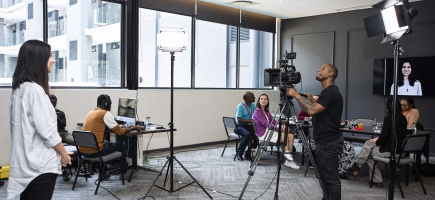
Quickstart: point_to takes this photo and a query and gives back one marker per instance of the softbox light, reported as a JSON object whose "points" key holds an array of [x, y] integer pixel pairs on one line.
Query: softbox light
{"points": [[172, 40], [395, 20]]}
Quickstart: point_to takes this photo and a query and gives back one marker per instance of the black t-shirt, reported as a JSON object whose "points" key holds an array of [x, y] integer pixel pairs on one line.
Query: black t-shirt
{"points": [[327, 123]]}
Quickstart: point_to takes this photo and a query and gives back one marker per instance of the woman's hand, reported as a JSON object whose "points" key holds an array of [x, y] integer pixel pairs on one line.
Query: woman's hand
{"points": [[65, 160], [373, 140]]}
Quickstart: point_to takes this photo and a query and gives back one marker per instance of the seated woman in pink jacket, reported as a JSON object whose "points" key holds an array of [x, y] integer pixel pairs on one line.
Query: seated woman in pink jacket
{"points": [[302, 114], [263, 119]]}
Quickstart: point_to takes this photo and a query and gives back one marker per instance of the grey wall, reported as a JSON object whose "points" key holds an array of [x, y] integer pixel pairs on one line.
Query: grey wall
{"points": [[340, 39]]}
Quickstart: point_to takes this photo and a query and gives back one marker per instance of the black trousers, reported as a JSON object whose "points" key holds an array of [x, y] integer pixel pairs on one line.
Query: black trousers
{"points": [[41, 188], [327, 164], [109, 148]]}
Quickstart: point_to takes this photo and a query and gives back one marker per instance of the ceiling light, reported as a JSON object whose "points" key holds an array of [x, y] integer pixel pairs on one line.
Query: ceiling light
{"points": [[242, 3]]}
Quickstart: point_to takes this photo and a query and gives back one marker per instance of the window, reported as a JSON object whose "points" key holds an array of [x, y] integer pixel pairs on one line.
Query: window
{"points": [[82, 43], [154, 65], [215, 59], [17, 25], [255, 56]]}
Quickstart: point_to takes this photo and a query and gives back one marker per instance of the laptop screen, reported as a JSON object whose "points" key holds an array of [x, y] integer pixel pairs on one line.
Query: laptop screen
{"points": [[127, 110]]}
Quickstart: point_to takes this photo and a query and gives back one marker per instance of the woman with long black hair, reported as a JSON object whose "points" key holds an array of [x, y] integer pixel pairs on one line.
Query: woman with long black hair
{"points": [[36, 148], [381, 146], [407, 84]]}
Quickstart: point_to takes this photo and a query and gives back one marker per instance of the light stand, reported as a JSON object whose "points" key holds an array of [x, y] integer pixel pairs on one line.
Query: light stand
{"points": [[396, 19], [172, 40]]}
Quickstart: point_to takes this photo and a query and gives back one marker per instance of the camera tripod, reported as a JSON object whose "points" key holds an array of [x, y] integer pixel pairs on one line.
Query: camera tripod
{"points": [[286, 106]]}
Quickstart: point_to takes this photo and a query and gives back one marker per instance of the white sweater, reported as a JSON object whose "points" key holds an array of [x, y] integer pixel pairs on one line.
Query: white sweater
{"points": [[34, 133]]}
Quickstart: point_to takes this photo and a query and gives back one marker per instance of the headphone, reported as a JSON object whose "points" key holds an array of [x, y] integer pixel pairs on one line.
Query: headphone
{"points": [[106, 104]]}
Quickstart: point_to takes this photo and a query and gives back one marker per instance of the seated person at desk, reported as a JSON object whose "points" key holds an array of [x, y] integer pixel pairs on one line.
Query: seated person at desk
{"points": [[96, 122], [381, 146], [263, 119], [61, 123], [302, 114], [244, 112], [409, 111]]}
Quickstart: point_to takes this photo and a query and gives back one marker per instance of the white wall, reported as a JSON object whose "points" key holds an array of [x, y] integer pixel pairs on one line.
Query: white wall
{"points": [[197, 113]]}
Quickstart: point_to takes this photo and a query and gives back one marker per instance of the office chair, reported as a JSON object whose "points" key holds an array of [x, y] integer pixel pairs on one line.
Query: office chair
{"points": [[413, 143], [88, 139]]}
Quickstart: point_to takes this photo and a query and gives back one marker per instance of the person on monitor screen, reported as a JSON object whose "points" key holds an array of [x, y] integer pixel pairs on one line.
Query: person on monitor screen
{"points": [[263, 119], [326, 112], [409, 111], [96, 121], [244, 112], [407, 84]]}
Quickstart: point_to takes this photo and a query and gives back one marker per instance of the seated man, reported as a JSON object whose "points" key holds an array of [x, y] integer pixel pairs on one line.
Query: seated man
{"points": [[244, 112], [61, 123], [96, 121]]}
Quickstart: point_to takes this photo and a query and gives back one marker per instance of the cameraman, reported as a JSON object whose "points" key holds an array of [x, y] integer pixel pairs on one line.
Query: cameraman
{"points": [[326, 112]]}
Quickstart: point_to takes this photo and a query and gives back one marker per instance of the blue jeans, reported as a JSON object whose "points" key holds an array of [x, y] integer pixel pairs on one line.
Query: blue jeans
{"points": [[247, 132], [109, 148]]}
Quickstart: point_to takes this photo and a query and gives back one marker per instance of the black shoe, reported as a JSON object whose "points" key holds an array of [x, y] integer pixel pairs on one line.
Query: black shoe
{"points": [[239, 157], [343, 176], [354, 169], [248, 156], [66, 175]]}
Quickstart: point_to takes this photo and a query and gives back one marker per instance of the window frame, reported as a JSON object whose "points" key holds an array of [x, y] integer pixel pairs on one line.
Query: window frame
{"points": [[123, 49]]}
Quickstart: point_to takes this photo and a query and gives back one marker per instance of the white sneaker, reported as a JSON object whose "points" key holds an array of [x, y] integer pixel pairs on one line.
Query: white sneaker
{"points": [[288, 155], [291, 164]]}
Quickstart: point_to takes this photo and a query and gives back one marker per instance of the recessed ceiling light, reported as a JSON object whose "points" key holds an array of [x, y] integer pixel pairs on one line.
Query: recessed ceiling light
{"points": [[282, 1], [242, 3]]}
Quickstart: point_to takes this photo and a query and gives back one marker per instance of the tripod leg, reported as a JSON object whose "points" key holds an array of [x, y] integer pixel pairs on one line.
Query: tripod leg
{"points": [[193, 178], [157, 177], [167, 172]]}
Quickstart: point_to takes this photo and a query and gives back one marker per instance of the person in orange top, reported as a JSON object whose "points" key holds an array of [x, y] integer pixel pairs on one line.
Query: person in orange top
{"points": [[409, 111], [97, 121]]}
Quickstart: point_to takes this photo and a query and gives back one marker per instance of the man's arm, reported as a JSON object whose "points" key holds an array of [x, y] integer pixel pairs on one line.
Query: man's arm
{"points": [[61, 119], [311, 109], [241, 120]]}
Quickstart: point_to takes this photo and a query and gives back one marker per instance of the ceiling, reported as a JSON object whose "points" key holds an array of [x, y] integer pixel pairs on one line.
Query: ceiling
{"points": [[301, 8]]}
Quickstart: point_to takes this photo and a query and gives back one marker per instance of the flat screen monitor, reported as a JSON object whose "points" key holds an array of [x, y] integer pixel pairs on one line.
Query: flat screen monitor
{"points": [[415, 76], [127, 108]]}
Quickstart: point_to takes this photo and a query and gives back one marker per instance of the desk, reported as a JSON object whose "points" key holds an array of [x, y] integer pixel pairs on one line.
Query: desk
{"points": [[371, 132]]}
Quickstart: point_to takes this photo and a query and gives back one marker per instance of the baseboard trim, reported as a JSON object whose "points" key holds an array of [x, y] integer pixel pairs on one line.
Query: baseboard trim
{"points": [[193, 145]]}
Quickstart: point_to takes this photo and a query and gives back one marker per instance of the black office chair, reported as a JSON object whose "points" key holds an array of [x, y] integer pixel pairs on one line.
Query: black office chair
{"points": [[413, 143], [230, 122], [88, 139]]}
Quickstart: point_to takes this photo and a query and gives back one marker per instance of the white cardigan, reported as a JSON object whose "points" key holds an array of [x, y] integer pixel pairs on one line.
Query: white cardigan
{"points": [[34, 133]]}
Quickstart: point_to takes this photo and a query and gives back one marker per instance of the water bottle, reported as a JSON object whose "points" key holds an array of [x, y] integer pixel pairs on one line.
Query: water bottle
{"points": [[148, 121], [374, 122], [414, 129]]}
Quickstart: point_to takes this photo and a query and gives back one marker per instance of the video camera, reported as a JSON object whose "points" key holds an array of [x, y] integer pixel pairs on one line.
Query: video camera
{"points": [[284, 76]]}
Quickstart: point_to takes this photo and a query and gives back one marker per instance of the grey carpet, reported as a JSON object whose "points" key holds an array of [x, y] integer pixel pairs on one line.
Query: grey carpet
{"points": [[224, 179]]}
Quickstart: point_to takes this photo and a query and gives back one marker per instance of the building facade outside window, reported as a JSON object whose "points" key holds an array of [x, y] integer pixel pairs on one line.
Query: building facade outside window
{"points": [[154, 65], [85, 40], [215, 55], [256, 54], [20, 20]]}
